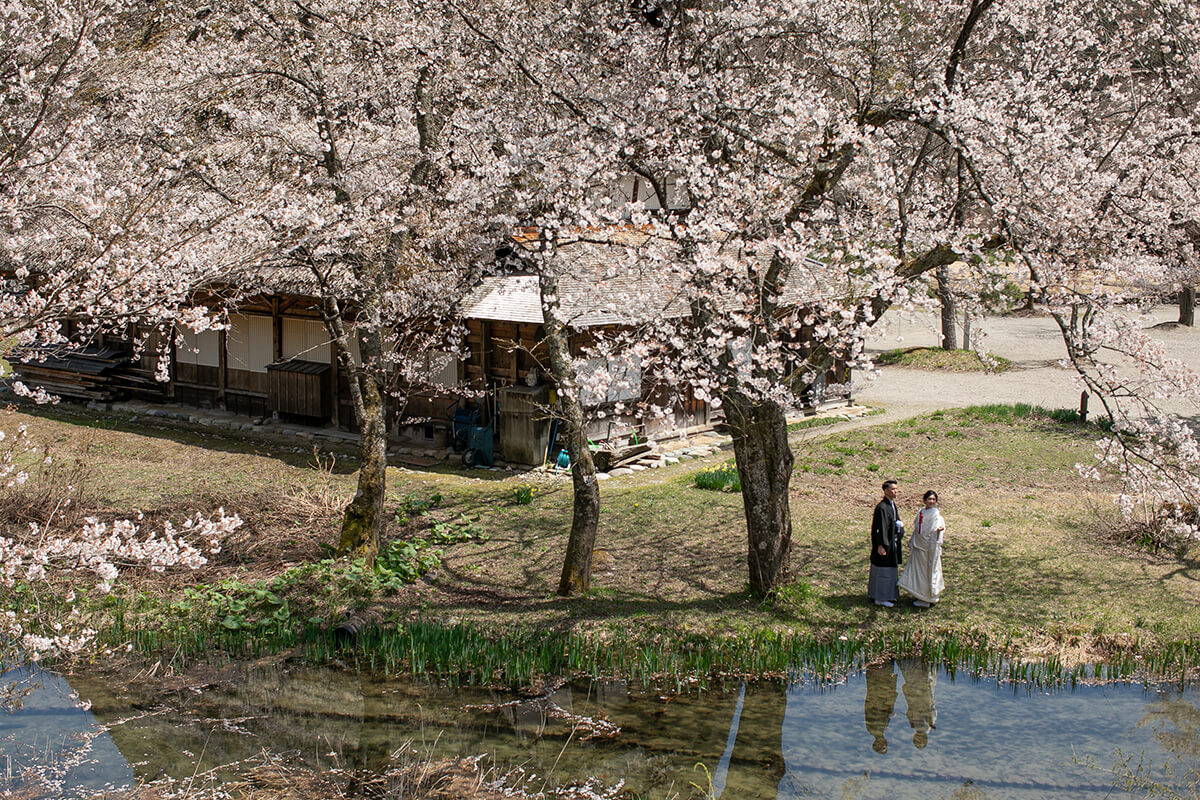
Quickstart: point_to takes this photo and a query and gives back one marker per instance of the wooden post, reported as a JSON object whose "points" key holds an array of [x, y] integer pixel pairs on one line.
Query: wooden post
{"points": [[1083, 409], [172, 366], [485, 341], [222, 368], [485, 334], [334, 416], [276, 330]]}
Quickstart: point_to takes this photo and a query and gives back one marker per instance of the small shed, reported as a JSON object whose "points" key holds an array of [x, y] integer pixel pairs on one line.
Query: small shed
{"points": [[300, 388], [524, 421]]}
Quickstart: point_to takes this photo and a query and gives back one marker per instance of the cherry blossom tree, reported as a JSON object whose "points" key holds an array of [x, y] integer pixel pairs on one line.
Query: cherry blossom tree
{"points": [[833, 157], [834, 154], [345, 130], [561, 114], [103, 222]]}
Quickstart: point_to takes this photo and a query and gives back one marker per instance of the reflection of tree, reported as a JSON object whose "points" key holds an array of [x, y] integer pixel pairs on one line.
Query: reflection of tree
{"points": [[756, 764], [1176, 725], [919, 679], [881, 700]]}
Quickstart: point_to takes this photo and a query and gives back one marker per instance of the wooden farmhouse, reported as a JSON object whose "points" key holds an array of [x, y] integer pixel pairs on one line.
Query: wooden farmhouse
{"points": [[274, 359]]}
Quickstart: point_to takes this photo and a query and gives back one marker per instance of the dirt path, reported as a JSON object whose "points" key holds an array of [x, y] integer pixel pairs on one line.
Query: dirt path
{"points": [[1033, 344]]}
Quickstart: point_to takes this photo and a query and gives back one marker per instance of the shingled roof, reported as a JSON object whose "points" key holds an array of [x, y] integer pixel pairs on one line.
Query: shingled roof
{"points": [[617, 281]]}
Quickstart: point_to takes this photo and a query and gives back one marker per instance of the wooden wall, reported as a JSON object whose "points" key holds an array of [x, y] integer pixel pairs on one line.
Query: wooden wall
{"points": [[501, 353]]}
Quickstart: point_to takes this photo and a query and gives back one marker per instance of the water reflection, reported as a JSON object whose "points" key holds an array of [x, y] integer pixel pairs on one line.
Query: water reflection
{"points": [[761, 741], [919, 679], [880, 702], [49, 738]]}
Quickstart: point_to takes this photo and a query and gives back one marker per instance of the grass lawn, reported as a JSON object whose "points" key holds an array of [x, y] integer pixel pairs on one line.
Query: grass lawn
{"points": [[935, 358], [1031, 562]]}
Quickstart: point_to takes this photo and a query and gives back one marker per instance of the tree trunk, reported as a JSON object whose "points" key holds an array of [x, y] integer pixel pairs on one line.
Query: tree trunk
{"points": [[364, 522], [585, 511], [764, 464], [1187, 306], [755, 744], [585, 514], [949, 338], [966, 339]]}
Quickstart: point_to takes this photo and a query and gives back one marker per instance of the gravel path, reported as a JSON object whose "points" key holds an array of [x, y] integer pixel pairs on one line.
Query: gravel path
{"points": [[1032, 343]]}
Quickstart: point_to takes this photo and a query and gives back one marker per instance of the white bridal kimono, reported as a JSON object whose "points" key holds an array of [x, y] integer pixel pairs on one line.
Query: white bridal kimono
{"points": [[922, 576]]}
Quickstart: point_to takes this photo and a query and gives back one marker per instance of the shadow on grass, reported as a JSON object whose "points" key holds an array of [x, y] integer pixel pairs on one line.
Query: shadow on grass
{"points": [[847, 600], [287, 449], [281, 448], [1189, 569]]}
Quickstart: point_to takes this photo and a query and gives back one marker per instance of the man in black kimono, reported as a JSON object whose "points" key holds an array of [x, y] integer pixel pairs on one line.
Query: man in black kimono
{"points": [[887, 533]]}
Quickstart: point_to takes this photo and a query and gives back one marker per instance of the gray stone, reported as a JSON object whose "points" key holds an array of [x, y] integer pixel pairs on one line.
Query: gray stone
{"points": [[193, 419], [671, 459], [621, 471], [636, 467], [603, 476]]}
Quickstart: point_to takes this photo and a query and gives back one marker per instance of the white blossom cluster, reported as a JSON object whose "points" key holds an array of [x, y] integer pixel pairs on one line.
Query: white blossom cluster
{"points": [[101, 549], [14, 450]]}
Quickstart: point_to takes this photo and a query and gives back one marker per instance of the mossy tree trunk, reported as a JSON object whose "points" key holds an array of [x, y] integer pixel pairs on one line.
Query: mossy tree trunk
{"points": [[363, 521], [585, 510]]}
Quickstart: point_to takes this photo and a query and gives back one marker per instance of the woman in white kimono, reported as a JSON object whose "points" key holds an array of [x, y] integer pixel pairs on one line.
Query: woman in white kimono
{"points": [[922, 577]]}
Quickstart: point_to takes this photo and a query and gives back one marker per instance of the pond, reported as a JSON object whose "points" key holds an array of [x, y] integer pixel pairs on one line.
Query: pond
{"points": [[900, 730]]}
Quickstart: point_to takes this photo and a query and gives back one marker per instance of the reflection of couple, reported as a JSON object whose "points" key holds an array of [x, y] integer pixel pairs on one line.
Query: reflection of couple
{"points": [[919, 679]]}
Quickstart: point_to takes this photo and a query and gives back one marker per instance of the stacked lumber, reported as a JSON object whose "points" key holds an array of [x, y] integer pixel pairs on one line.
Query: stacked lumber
{"points": [[84, 373], [606, 459], [138, 383]]}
